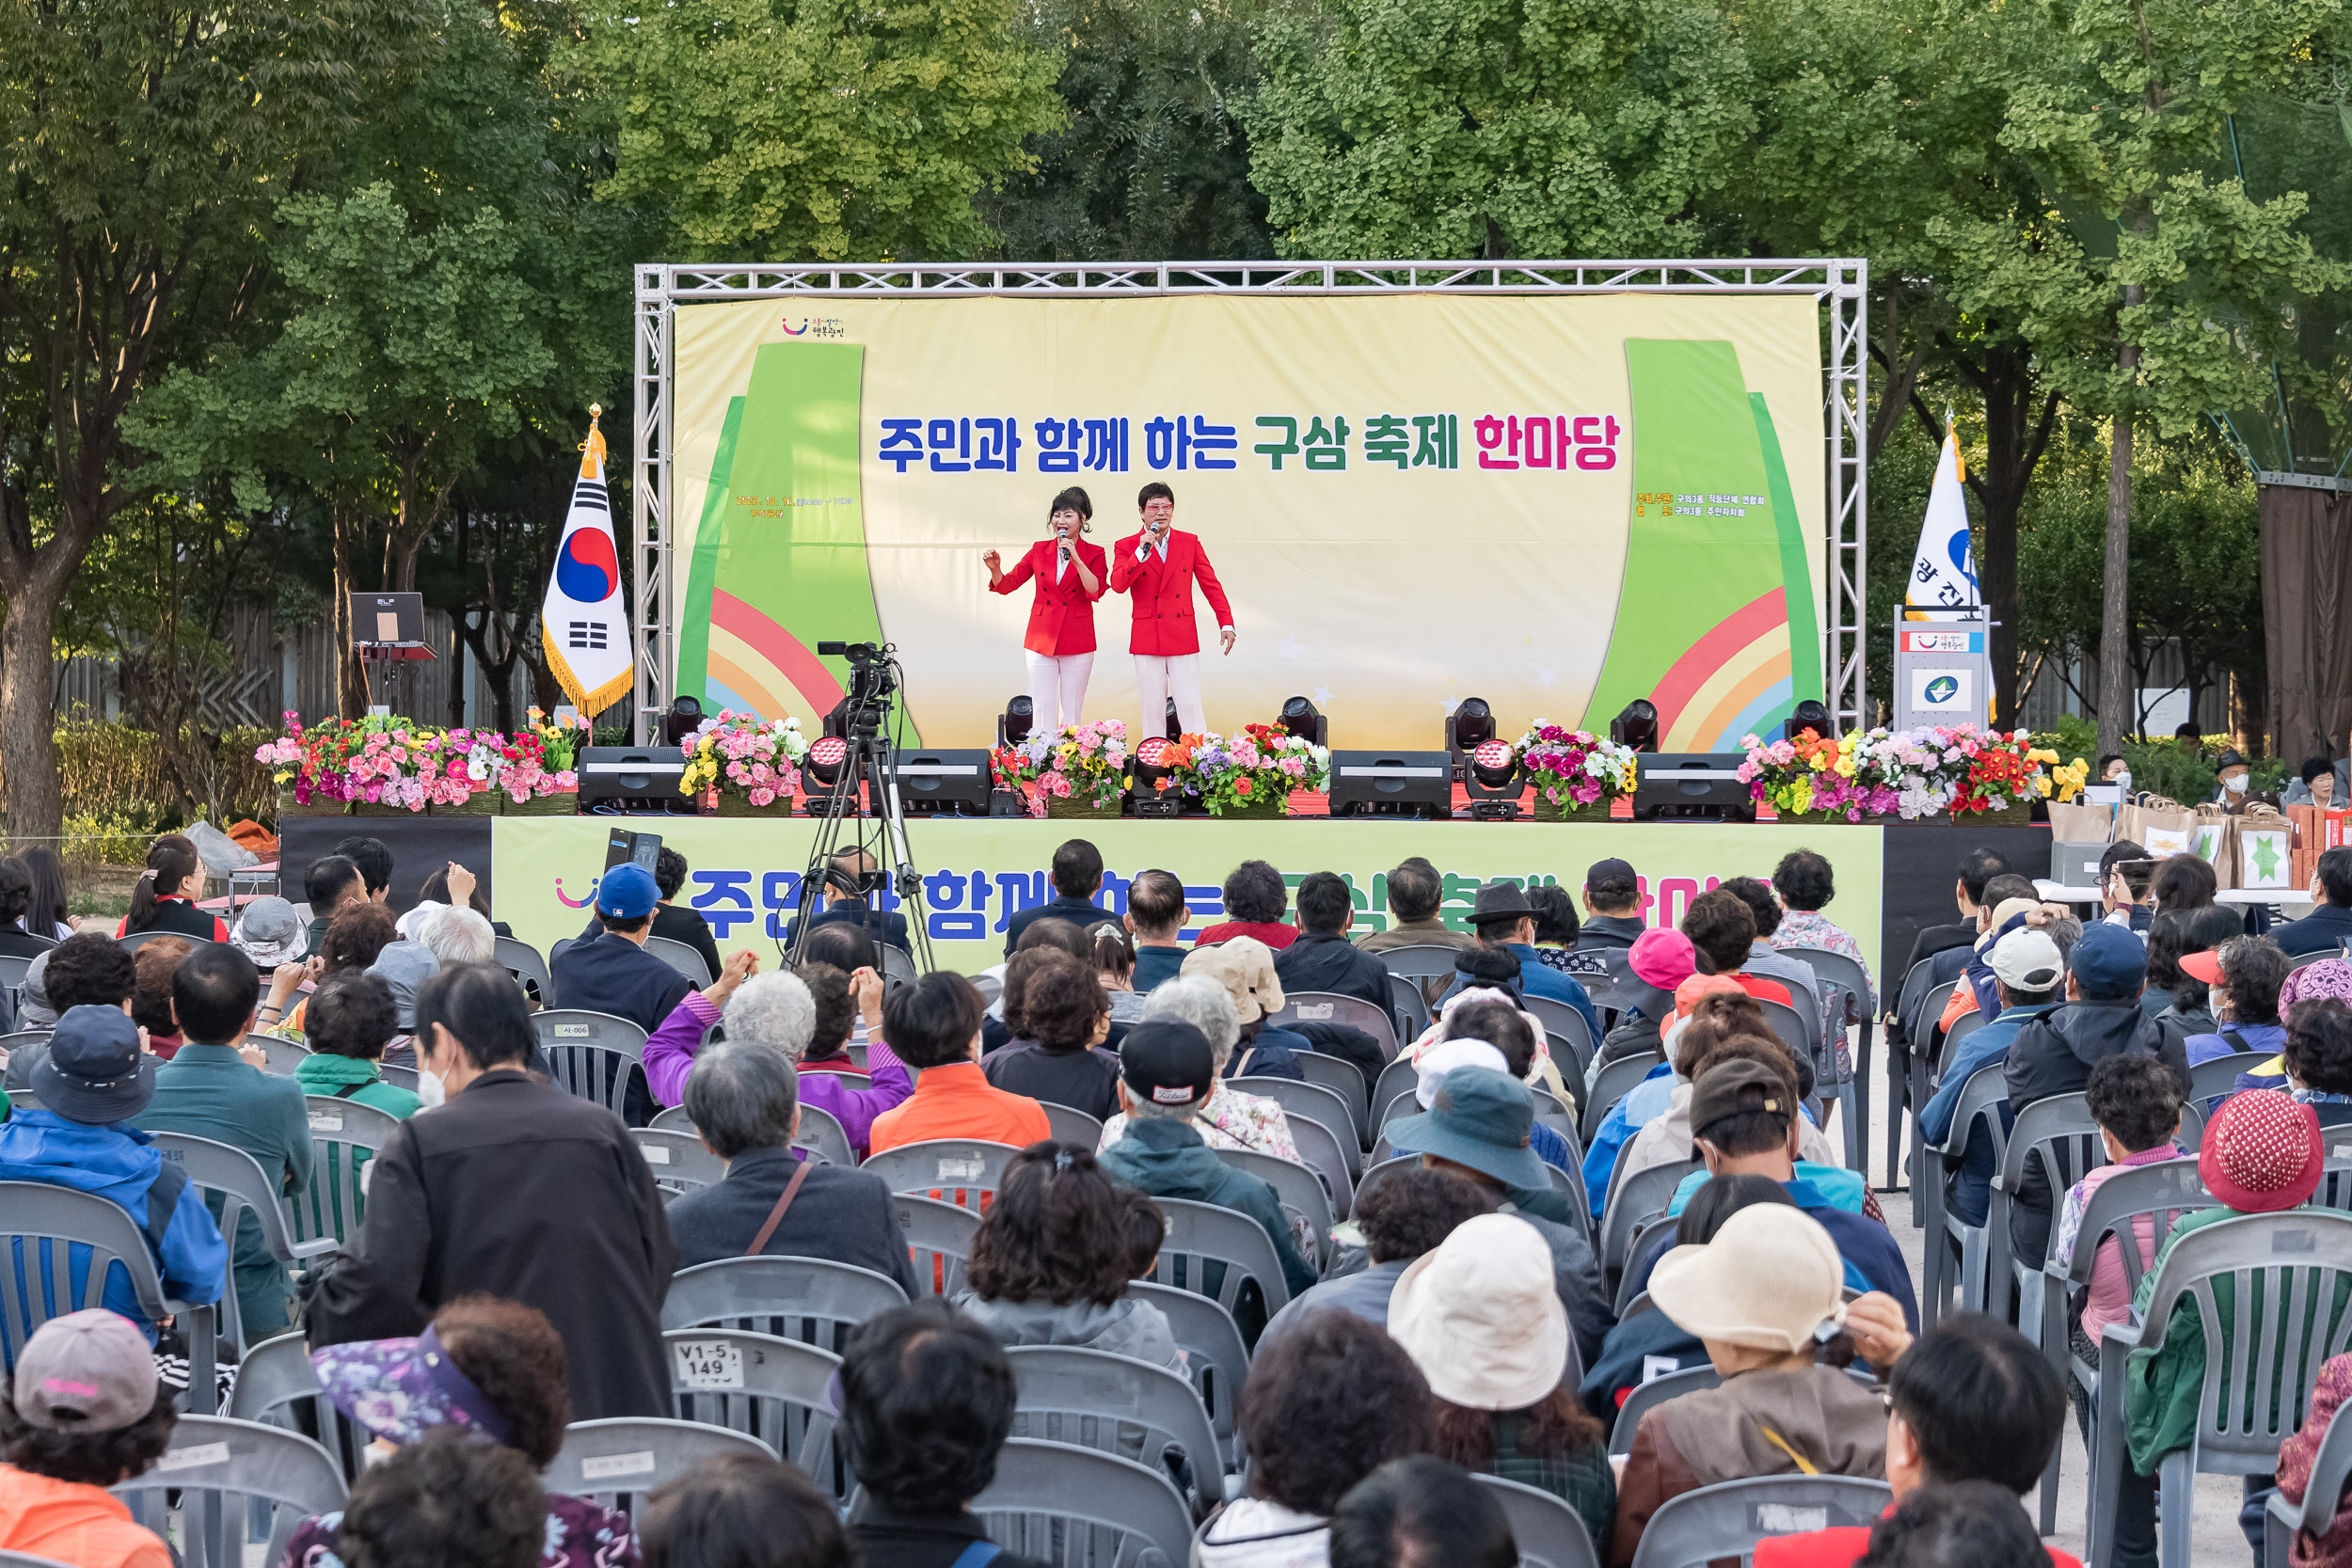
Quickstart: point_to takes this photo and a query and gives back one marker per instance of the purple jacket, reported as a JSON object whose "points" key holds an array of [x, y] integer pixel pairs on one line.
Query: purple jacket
{"points": [[669, 1057]]}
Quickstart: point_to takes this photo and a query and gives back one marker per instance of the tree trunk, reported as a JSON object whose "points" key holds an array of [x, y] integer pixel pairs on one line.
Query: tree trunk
{"points": [[28, 721], [2116, 698], [351, 675]]}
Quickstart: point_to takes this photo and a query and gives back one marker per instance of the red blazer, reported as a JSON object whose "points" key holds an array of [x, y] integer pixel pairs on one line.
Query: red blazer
{"points": [[1163, 593], [1061, 617]]}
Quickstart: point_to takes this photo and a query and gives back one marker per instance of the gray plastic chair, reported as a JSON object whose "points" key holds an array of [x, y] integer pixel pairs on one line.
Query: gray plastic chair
{"points": [[2330, 1468], [958, 1170], [674, 1120], [776, 1390], [1562, 1022], [1955, 1248], [591, 1054], [344, 1136], [278, 1386], [2059, 1132], [1919, 1058], [822, 1135], [1729, 1518], [279, 1056], [616, 1462], [1313, 1100], [1342, 1079], [1301, 1192], [679, 1160], [1425, 961], [522, 960], [1548, 1532], [813, 1300], [26, 1039], [939, 1240], [26, 1559], [41, 1225], [1837, 969], [2212, 1080], [1214, 1356], [1072, 1124], [1634, 1198], [1204, 1240], [897, 966], [243, 1186], [686, 960], [2245, 1411], [1326, 1154], [1399, 1078], [1615, 1081], [1075, 1506], [1412, 1009], [137, 940], [1326, 1006], [239, 1483], [1963, 1026], [1085, 1397], [1650, 1395]]}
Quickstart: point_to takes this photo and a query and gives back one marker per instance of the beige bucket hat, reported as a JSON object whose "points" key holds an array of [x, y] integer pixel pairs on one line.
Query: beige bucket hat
{"points": [[1479, 1316], [1768, 1280]]}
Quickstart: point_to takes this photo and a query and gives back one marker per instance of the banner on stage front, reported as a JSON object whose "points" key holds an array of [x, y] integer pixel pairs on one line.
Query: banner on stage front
{"points": [[1558, 505]]}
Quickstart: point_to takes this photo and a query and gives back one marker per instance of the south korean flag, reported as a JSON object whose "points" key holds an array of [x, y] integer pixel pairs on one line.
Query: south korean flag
{"points": [[583, 622]]}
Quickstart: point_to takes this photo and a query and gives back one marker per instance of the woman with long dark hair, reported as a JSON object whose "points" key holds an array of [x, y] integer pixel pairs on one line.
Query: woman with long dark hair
{"points": [[1071, 575], [165, 899], [48, 915]]}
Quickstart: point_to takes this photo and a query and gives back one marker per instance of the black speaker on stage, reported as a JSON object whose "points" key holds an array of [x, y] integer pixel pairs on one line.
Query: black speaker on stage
{"points": [[1392, 784], [631, 778], [950, 784], [1692, 785]]}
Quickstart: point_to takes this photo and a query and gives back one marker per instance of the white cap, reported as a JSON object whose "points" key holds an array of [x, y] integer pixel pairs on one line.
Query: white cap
{"points": [[1444, 1057]]}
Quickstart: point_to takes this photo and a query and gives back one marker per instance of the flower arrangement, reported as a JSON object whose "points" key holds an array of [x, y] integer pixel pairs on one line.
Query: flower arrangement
{"points": [[1812, 774], [1252, 773], [395, 764], [744, 757], [1935, 770], [1079, 768], [1572, 769]]}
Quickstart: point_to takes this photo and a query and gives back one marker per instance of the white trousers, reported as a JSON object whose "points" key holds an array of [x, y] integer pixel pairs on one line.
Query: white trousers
{"points": [[1160, 677], [1057, 681]]}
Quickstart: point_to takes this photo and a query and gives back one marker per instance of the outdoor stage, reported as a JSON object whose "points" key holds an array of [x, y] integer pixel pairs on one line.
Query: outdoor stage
{"points": [[540, 871]]}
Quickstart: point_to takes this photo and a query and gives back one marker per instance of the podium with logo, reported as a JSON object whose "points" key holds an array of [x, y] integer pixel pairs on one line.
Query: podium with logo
{"points": [[1943, 667]]}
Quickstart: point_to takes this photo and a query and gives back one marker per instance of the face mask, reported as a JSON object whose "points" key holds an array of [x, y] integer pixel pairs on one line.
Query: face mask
{"points": [[2124, 781], [2235, 783], [429, 1087], [2216, 998]]}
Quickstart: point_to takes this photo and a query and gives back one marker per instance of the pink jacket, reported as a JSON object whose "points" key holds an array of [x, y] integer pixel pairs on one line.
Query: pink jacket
{"points": [[2110, 1290], [669, 1057]]}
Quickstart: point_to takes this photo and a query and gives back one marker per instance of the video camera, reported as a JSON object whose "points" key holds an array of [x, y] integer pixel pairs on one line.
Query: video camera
{"points": [[872, 677]]}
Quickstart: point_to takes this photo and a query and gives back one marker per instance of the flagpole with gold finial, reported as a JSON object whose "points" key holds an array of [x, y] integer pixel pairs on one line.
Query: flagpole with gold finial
{"points": [[591, 450]]}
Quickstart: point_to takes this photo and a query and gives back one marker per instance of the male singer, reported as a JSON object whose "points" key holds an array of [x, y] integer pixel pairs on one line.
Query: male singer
{"points": [[1157, 566]]}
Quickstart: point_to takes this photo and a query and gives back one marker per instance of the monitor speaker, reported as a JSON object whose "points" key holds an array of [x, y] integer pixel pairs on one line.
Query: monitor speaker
{"points": [[1392, 784]]}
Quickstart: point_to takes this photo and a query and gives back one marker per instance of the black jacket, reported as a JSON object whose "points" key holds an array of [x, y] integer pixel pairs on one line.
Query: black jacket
{"points": [[671, 922], [838, 1214], [1937, 939], [1084, 1080], [1325, 961], [519, 1190], [1346, 1041], [613, 974], [2323, 930], [1603, 932], [1078, 912], [2053, 1054], [887, 1540], [884, 925]]}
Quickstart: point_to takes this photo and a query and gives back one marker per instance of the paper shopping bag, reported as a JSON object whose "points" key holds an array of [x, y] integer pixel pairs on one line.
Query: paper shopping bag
{"points": [[2262, 859], [2081, 822], [2209, 840], [2157, 825]]}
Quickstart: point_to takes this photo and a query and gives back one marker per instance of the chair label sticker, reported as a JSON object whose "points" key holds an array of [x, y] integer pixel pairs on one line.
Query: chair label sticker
{"points": [[327, 1121], [1314, 1011], [570, 1031], [1787, 1519], [706, 1364], [961, 1170], [1655, 1367], [655, 1154], [191, 1457], [606, 1466]]}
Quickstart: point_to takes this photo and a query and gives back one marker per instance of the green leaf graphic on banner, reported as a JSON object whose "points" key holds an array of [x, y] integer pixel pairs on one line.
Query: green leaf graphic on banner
{"points": [[694, 647]]}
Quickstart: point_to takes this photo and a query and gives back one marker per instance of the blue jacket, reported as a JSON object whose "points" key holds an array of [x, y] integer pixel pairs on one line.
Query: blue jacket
{"points": [[1615, 1130], [119, 1163], [1972, 1193], [1833, 1196], [613, 974], [1538, 979], [1155, 966], [2323, 930]]}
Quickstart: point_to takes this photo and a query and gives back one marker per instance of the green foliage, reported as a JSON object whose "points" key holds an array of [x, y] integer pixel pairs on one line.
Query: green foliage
{"points": [[793, 129], [123, 778], [1446, 128]]}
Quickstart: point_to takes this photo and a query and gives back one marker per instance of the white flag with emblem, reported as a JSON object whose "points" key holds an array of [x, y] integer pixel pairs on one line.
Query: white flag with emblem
{"points": [[584, 623], [1944, 572]]}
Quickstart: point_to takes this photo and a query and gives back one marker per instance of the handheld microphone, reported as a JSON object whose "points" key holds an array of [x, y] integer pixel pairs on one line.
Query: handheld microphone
{"points": [[1062, 536]]}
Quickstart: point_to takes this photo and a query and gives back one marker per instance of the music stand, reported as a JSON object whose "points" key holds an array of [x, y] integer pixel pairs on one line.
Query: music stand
{"points": [[388, 629]]}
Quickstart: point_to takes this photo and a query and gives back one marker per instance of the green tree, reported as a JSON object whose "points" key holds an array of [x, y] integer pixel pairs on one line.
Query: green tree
{"points": [[1461, 128], [789, 129], [147, 142]]}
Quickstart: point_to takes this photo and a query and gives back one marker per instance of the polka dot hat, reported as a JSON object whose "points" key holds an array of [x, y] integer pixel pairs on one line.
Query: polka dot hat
{"points": [[2262, 1152]]}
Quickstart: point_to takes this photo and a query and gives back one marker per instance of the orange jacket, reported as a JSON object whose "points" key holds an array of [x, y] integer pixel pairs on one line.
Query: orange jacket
{"points": [[957, 1101], [69, 1522]]}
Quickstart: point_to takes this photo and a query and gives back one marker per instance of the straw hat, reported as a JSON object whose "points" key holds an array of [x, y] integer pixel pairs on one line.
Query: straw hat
{"points": [[1479, 1315], [1767, 1282]]}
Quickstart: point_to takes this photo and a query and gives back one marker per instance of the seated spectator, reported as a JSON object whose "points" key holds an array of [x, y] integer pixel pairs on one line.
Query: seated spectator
{"points": [[1794, 974], [405, 967], [17, 939], [1803, 881], [844, 945], [2329, 980], [672, 920], [1722, 927], [1722, 1026], [2177, 1003], [1506, 926], [90, 1083], [164, 899], [776, 1201], [1973, 1524], [461, 936], [373, 858], [1654, 1095], [49, 914], [1977, 868], [1245, 967], [2009, 901], [357, 938], [494, 1371], [778, 1012], [1044, 940], [1491, 1021], [445, 1501], [1066, 1016], [1255, 897], [1418, 1512], [1971, 1402], [1556, 929], [1612, 908], [1415, 890], [2245, 976], [86, 971], [1649, 1345], [84, 1413], [32, 1004], [1077, 877], [1479, 1318], [1166, 1071], [351, 1022], [740, 1511], [1407, 1211], [269, 933], [331, 885], [1490, 974], [614, 973], [1321, 1410], [2313, 784], [153, 967], [927, 1402], [1755, 1296], [933, 1025], [839, 1004], [2330, 1532], [2263, 1154], [1230, 1119], [516, 1189], [2028, 972], [1656, 963], [1049, 1264], [211, 1089], [1323, 959], [1114, 955], [1155, 916], [2315, 1068], [1476, 1130], [852, 878], [2183, 882]]}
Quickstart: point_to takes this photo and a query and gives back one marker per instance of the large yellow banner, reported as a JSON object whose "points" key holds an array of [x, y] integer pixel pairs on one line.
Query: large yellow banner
{"points": [[1555, 503]]}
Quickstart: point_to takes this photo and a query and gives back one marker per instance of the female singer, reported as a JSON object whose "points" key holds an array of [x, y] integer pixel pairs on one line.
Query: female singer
{"points": [[1071, 575]]}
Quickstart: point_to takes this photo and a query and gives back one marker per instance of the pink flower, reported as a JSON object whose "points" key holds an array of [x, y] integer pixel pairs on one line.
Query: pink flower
{"points": [[763, 797]]}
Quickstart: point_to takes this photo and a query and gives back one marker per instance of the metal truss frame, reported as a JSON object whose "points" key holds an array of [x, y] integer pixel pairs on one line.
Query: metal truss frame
{"points": [[1840, 284]]}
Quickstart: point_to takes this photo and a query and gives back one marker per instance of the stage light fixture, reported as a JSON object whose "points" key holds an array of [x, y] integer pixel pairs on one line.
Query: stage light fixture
{"points": [[1492, 781], [1809, 715], [824, 760], [684, 718], [1147, 770], [1470, 725], [1637, 726], [1012, 725], [1300, 718]]}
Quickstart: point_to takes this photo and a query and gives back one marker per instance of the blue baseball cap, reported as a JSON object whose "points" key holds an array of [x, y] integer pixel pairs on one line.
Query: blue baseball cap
{"points": [[626, 891], [2109, 963]]}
